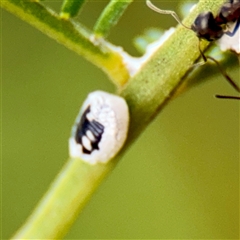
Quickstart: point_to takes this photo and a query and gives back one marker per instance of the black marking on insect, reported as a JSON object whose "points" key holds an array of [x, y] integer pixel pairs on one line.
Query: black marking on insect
{"points": [[95, 128], [211, 28]]}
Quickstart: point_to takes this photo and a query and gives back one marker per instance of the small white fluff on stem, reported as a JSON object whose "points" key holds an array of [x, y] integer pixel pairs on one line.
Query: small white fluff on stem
{"points": [[227, 42]]}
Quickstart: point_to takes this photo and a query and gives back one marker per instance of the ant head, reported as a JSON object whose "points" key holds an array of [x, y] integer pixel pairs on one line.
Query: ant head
{"points": [[206, 28]]}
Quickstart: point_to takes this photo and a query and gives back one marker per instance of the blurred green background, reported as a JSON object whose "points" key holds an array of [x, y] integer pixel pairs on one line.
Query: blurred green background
{"points": [[178, 180]]}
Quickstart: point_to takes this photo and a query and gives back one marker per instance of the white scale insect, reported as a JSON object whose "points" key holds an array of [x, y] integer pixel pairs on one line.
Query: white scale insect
{"points": [[100, 129]]}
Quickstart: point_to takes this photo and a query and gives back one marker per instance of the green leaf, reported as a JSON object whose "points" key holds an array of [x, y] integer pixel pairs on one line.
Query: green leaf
{"points": [[71, 8], [110, 16]]}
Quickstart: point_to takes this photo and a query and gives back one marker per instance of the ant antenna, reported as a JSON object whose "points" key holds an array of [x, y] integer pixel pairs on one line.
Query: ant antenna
{"points": [[158, 10]]}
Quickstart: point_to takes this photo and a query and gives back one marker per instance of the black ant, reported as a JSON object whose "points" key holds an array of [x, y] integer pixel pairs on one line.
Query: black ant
{"points": [[211, 28]]}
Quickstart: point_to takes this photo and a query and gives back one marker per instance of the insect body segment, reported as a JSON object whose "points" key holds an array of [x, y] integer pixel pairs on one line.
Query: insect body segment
{"points": [[89, 133], [100, 129], [206, 27], [229, 12], [211, 28]]}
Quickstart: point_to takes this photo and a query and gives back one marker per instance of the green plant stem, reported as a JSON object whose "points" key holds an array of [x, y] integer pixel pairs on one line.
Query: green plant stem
{"points": [[110, 16], [67, 195], [70, 8], [147, 93], [72, 35]]}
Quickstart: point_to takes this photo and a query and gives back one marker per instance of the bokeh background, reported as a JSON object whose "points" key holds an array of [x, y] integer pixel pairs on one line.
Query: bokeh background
{"points": [[178, 180]]}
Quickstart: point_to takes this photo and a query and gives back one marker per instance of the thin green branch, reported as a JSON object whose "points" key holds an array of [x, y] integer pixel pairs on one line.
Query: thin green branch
{"points": [[149, 91], [146, 94], [65, 198], [71, 8], [110, 16], [74, 36]]}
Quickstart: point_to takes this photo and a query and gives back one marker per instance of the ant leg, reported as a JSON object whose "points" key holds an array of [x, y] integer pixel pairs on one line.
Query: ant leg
{"points": [[227, 97], [202, 55], [227, 77], [201, 52], [234, 85], [231, 33]]}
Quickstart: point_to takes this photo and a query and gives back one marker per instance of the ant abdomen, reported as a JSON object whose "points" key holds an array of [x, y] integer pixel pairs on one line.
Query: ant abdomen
{"points": [[229, 12]]}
